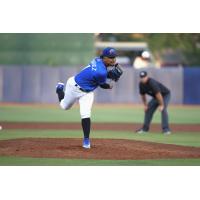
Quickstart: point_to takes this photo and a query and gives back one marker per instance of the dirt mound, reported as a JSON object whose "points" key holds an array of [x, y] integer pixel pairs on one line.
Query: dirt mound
{"points": [[107, 149]]}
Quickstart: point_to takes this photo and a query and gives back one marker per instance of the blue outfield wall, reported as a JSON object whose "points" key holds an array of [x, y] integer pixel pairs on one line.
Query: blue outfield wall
{"points": [[36, 84], [191, 85]]}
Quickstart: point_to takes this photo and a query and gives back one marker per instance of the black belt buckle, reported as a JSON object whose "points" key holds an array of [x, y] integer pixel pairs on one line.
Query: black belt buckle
{"points": [[82, 90]]}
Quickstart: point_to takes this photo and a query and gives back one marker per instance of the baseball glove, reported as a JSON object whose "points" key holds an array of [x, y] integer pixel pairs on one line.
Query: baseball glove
{"points": [[115, 73]]}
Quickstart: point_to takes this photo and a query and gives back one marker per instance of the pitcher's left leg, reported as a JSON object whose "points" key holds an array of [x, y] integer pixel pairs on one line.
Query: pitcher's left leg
{"points": [[86, 102]]}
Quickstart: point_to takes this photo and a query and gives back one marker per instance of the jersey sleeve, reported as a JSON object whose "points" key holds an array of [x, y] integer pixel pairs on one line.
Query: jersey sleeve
{"points": [[155, 86], [101, 78]]}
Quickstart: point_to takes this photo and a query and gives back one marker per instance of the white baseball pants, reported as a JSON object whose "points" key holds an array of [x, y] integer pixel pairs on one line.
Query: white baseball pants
{"points": [[73, 93]]}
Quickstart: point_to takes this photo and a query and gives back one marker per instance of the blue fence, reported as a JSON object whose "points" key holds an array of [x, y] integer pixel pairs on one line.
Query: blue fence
{"points": [[36, 84], [191, 85]]}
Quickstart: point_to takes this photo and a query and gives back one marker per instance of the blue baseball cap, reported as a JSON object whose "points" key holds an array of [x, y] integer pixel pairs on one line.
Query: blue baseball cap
{"points": [[109, 52]]}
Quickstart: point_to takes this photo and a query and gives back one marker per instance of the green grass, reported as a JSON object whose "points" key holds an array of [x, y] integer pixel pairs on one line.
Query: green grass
{"points": [[185, 139], [19, 161], [113, 113]]}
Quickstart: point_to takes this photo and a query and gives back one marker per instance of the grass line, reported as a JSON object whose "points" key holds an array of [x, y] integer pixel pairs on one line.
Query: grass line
{"points": [[185, 139], [25, 161]]}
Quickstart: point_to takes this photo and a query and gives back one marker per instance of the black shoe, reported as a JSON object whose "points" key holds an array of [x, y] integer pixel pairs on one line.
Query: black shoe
{"points": [[59, 87]]}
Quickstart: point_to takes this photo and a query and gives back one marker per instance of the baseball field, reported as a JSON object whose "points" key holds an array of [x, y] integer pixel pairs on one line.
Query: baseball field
{"points": [[37, 134]]}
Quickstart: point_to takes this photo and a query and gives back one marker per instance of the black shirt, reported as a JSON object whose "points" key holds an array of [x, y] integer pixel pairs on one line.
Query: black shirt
{"points": [[152, 87]]}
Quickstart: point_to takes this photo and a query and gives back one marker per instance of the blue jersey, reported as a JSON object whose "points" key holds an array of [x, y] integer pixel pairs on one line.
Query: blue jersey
{"points": [[92, 76]]}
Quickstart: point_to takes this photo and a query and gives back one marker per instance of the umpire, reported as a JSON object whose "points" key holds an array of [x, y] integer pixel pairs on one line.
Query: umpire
{"points": [[161, 96]]}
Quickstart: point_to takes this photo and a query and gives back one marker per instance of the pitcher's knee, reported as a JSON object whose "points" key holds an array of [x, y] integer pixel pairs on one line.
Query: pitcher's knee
{"points": [[85, 115], [64, 106]]}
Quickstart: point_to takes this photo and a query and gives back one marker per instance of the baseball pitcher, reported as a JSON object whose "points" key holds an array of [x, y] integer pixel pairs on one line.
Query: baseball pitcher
{"points": [[81, 86]]}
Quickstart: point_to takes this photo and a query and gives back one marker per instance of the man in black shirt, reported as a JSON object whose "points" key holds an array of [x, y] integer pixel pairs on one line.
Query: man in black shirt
{"points": [[160, 100]]}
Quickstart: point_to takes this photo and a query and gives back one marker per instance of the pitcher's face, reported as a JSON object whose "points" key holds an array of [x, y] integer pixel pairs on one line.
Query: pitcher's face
{"points": [[109, 61]]}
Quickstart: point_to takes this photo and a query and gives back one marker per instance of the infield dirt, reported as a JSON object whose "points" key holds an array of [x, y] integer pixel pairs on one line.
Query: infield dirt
{"points": [[97, 126]]}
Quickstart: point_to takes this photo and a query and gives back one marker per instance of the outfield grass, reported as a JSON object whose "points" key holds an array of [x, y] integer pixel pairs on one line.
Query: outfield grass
{"points": [[19, 161], [113, 113], [185, 139]]}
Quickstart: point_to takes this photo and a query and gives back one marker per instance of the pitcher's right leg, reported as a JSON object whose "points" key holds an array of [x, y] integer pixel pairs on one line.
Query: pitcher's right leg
{"points": [[59, 90]]}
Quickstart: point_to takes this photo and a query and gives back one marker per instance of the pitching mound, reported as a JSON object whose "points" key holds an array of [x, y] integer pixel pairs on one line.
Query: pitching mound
{"points": [[106, 149]]}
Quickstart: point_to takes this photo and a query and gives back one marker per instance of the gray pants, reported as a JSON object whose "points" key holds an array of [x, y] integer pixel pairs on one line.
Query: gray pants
{"points": [[152, 106]]}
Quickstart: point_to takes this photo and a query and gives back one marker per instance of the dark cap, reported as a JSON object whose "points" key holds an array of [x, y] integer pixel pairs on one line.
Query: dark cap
{"points": [[143, 74], [109, 52]]}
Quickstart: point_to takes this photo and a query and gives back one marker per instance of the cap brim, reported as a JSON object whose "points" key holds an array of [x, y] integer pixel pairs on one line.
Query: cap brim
{"points": [[112, 57], [109, 56]]}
